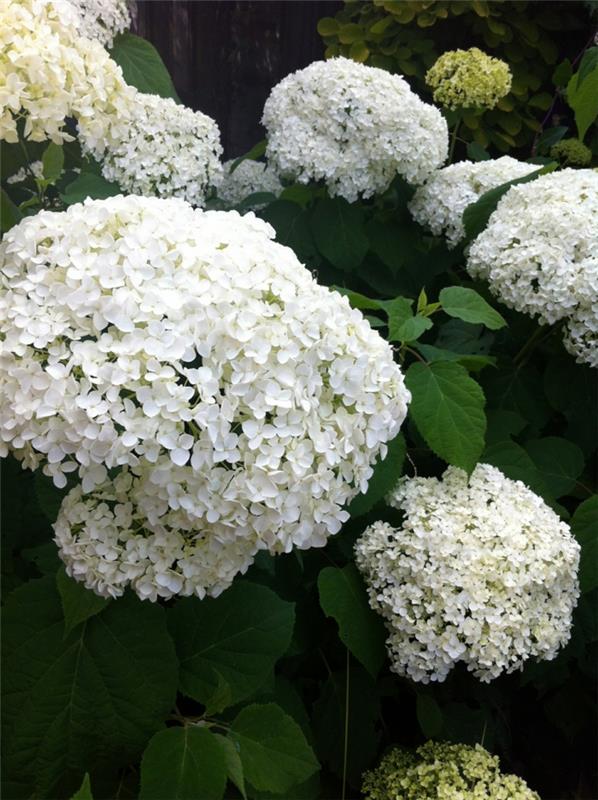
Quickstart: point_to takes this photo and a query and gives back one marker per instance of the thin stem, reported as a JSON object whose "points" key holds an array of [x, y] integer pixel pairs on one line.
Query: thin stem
{"points": [[530, 345], [484, 732], [346, 742], [416, 354], [453, 140]]}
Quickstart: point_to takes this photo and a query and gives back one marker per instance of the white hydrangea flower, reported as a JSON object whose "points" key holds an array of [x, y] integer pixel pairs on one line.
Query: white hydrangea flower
{"points": [[539, 254], [482, 571], [152, 145], [35, 170], [102, 20], [352, 126], [248, 178], [140, 332], [439, 204]]}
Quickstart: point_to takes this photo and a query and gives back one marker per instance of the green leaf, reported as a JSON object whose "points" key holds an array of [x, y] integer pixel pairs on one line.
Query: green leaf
{"points": [[234, 767], [584, 524], [53, 162], [559, 462], [255, 199], [87, 184], [49, 496], [463, 337], [471, 362], [429, 715], [290, 223], [412, 329], [358, 300], [582, 92], [476, 152], [78, 603], [183, 764], [562, 74], [476, 215], [386, 474], [343, 597], [447, 407], [468, 305], [73, 705], [256, 152], [9, 213], [399, 311], [142, 66], [84, 793], [44, 556], [272, 748], [339, 233], [515, 463], [236, 638], [393, 244]]}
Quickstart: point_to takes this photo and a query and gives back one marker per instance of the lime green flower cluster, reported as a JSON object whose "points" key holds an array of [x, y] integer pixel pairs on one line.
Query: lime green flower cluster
{"points": [[571, 152], [468, 79], [441, 771]]}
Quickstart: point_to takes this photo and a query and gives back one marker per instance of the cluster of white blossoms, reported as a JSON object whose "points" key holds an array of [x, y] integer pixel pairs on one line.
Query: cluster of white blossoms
{"points": [[353, 127], [539, 254], [248, 178], [151, 145], [482, 571], [191, 348], [439, 204], [101, 20], [33, 170]]}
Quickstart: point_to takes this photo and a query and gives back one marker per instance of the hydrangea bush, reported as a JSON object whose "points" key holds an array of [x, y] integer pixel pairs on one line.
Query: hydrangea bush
{"points": [[299, 449]]}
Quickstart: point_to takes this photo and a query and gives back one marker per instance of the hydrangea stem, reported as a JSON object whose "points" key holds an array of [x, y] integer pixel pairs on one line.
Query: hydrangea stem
{"points": [[454, 140]]}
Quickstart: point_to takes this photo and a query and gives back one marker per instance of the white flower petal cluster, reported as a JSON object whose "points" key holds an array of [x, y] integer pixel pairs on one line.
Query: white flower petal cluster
{"points": [[152, 145], [539, 254], [248, 178], [191, 348], [102, 20], [352, 126], [439, 204], [34, 170], [482, 571]]}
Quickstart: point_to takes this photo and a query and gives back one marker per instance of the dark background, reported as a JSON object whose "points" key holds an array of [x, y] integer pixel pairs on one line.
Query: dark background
{"points": [[226, 55]]}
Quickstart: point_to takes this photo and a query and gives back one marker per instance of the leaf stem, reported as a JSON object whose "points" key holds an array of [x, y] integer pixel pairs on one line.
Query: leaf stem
{"points": [[346, 742], [453, 140]]}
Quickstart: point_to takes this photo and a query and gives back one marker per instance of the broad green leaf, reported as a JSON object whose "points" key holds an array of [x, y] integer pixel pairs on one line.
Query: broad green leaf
{"points": [[515, 463], [53, 162], [476, 152], [550, 137], [78, 603], [73, 705], [582, 92], [221, 698], [236, 638], [84, 793], [559, 462], [447, 407], [468, 305], [142, 66], [339, 234], [343, 597], [327, 26], [49, 496], [255, 199], [272, 748], [429, 715], [289, 221], [234, 767], [562, 74], [44, 556], [399, 311], [584, 524], [358, 300], [412, 328], [502, 424], [463, 337], [256, 152], [183, 764], [393, 243], [471, 362], [87, 184], [9, 213], [386, 474]]}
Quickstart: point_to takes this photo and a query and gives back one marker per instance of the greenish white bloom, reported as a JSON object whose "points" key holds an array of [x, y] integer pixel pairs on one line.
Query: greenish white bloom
{"points": [[571, 152], [442, 771], [468, 79], [482, 571], [249, 177], [102, 20]]}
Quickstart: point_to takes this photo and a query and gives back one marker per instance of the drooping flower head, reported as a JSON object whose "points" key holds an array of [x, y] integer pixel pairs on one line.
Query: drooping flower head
{"points": [[439, 770], [468, 79], [539, 254], [353, 127], [249, 177], [102, 20], [482, 571], [439, 204], [193, 349]]}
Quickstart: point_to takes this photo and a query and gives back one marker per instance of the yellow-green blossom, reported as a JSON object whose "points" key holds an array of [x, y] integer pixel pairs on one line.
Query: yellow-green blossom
{"points": [[572, 152], [468, 79], [441, 771]]}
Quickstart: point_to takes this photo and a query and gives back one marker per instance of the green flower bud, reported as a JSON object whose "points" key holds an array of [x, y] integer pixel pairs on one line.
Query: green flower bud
{"points": [[571, 151]]}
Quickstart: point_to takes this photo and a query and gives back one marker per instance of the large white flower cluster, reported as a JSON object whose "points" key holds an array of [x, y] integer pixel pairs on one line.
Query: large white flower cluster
{"points": [[152, 145], [439, 204], [482, 571], [193, 349], [102, 20], [539, 254], [352, 126], [248, 178]]}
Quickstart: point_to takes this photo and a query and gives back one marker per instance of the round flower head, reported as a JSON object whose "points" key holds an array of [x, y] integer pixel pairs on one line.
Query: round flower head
{"points": [[468, 79], [482, 571], [442, 771], [353, 127], [571, 151], [151, 145], [248, 178], [102, 19], [539, 254], [439, 204], [140, 332]]}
